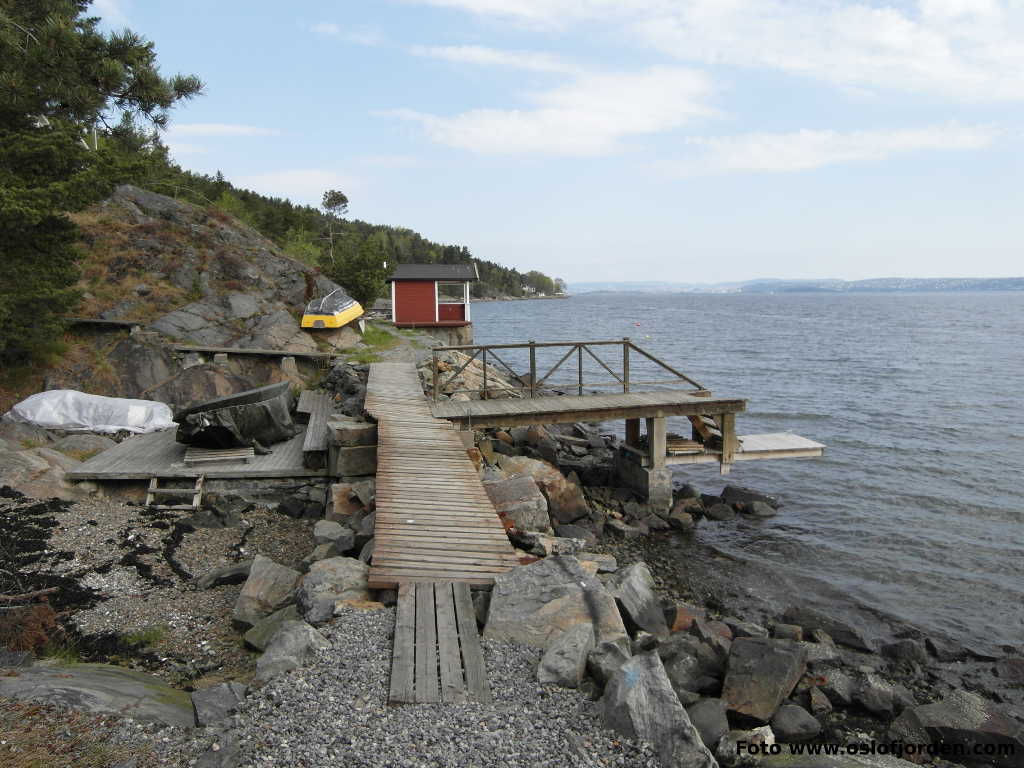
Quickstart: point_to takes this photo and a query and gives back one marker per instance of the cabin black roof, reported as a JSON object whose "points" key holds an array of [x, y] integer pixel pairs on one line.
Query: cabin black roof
{"points": [[455, 272]]}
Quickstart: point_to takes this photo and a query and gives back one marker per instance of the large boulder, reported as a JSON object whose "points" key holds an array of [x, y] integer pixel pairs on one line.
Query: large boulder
{"points": [[329, 582], [217, 702], [533, 603], [964, 721], [605, 659], [760, 674], [269, 587], [566, 502], [291, 646], [39, 473], [262, 631], [841, 631], [633, 589], [639, 703], [102, 689], [519, 500], [565, 661], [709, 718]]}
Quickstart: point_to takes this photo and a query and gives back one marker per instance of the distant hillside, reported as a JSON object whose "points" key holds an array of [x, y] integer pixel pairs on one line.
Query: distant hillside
{"points": [[875, 285]]}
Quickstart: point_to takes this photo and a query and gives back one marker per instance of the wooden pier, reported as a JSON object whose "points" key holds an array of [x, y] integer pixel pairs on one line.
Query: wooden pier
{"points": [[434, 521]]}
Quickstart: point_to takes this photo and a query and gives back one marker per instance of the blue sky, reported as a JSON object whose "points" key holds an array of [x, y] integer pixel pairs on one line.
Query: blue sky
{"points": [[681, 140]]}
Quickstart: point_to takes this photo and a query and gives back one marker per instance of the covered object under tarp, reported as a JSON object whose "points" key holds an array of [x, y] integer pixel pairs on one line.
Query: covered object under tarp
{"points": [[257, 418], [74, 411]]}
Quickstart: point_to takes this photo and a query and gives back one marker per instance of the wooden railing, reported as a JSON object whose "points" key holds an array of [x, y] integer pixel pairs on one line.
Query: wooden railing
{"points": [[530, 384]]}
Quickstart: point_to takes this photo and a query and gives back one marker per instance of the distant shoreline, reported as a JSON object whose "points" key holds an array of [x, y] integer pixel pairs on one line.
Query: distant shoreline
{"points": [[521, 298]]}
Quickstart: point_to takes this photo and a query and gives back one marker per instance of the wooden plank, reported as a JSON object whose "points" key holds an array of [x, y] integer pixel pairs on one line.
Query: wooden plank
{"points": [[472, 655], [453, 684], [404, 657], [426, 646]]}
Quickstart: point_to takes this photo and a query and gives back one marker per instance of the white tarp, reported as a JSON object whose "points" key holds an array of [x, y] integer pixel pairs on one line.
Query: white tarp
{"points": [[78, 412]]}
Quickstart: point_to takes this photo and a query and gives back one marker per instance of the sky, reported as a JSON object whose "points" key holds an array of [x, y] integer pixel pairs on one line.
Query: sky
{"points": [[616, 140]]}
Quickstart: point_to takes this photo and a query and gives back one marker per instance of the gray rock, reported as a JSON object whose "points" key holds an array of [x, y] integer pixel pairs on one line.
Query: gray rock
{"points": [[102, 689], [565, 661], [905, 650], [741, 628], [842, 632], [533, 603], [820, 705], [839, 687], [876, 696], [605, 659], [640, 704], [326, 531], [217, 702], [366, 553], [85, 444], [624, 529], [330, 581], [320, 552], [709, 718], [681, 520], [742, 749], [963, 720], [720, 512], [758, 509], [633, 589], [260, 633], [566, 502], [787, 632], [289, 648], [235, 573], [760, 674], [269, 587], [520, 500], [735, 494], [1011, 669], [576, 532], [605, 563], [794, 723], [12, 659]]}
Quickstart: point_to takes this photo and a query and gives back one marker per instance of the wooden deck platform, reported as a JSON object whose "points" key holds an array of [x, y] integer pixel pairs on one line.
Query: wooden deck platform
{"points": [[437, 656], [434, 521], [775, 445], [512, 412], [158, 454]]}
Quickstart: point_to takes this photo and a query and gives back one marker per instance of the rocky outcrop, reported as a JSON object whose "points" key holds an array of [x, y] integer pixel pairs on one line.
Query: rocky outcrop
{"points": [[566, 502], [639, 703], [37, 472], [102, 689], [633, 589], [534, 603]]}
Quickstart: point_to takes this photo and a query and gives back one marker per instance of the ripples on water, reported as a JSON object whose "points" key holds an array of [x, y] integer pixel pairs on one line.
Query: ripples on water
{"points": [[917, 507]]}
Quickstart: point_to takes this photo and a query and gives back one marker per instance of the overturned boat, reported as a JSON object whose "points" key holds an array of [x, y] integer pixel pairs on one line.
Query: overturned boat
{"points": [[256, 418], [334, 310]]}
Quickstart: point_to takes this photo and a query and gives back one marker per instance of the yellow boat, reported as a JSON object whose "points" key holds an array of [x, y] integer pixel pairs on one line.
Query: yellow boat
{"points": [[332, 311]]}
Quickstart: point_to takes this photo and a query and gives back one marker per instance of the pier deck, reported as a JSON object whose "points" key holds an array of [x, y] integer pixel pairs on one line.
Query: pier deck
{"points": [[434, 520]]}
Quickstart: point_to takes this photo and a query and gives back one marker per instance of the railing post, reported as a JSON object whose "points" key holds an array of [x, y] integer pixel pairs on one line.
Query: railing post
{"points": [[625, 363], [435, 375], [483, 395], [579, 349], [533, 368]]}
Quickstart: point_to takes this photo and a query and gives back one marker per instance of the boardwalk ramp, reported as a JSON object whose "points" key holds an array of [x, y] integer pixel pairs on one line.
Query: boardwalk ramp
{"points": [[434, 521]]}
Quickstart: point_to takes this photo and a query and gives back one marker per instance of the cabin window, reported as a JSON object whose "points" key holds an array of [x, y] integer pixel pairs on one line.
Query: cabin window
{"points": [[451, 293]]}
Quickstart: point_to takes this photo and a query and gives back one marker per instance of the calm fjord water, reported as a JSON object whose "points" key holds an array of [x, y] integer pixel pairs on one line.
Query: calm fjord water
{"points": [[917, 508]]}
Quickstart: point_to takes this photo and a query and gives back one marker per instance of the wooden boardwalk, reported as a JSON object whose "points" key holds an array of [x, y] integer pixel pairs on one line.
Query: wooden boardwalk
{"points": [[510, 412], [437, 656], [434, 521]]}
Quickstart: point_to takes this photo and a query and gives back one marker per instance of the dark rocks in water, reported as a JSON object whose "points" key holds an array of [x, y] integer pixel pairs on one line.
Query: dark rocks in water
{"points": [[236, 573], [905, 650], [217, 702], [736, 494], [1011, 669], [794, 723], [963, 720], [707, 500], [944, 649], [758, 509], [639, 703], [687, 491], [719, 512], [841, 631], [709, 718], [760, 674], [787, 632], [572, 531]]}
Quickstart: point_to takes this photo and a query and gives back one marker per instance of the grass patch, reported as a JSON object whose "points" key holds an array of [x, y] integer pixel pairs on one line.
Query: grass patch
{"points": [[65, 652], [28, 445], [81, 454], [378, 338], [364, 357], [147, 637], [36, 736]]}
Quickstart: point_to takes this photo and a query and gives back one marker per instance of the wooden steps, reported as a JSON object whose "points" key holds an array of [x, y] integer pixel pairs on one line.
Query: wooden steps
{"points": [[155, 492], [437, 656]]}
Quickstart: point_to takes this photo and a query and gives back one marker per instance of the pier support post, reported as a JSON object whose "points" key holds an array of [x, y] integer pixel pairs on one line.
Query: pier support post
{"points": [[632, 432], [657, 441]]}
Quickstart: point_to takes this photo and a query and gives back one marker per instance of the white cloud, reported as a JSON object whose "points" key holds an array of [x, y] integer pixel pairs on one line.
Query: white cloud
{"points": [[359, 36], [300, 185], [179, 148], [112, 12], [534, 61], [805, 150], [219, 129], [970, 50], [586, 117]]}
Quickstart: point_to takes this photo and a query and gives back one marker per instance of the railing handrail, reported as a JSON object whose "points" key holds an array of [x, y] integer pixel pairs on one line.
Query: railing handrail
{"points": [[535, 383]]}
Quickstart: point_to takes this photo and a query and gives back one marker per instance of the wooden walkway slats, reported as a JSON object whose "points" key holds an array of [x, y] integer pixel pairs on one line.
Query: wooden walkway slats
{"points": [[434, 521], [437, 654]]}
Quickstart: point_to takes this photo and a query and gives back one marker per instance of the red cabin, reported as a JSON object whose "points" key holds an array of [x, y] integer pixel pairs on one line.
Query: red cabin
{"points": [[431, 295]]}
